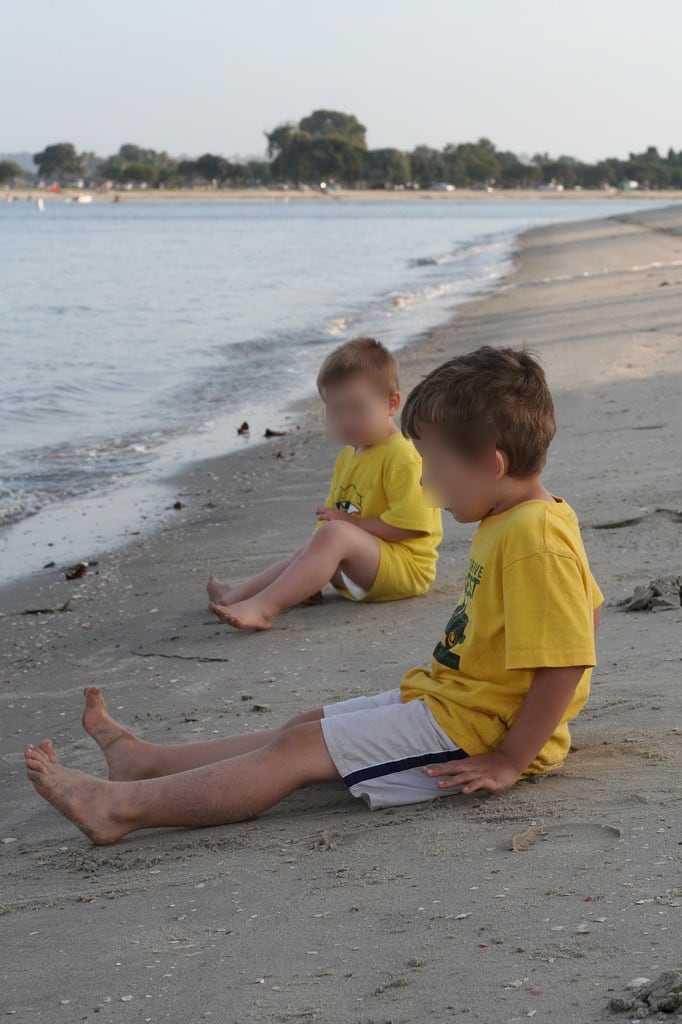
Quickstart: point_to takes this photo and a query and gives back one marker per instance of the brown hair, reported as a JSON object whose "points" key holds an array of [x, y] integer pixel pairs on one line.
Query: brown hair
{"points": [[360, 356], [497, 395]]}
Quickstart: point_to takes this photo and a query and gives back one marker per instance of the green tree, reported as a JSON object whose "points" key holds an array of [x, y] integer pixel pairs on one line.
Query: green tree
{"points": [[258, 172], [427, 165], [134, 163], [213, 168], [326, 145], [472, 163], [649, 169], [289, 150], [140, 172], [58, 160], [385, 167], [596, 175], [9, 171], [335, 123], [112, 168], [187, 171], [132, 154], [562, 171], [515, 174], [333, 158]]}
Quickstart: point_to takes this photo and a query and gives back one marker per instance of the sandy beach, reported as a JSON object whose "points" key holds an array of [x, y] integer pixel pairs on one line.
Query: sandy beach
{"points": [[292, 194], [319, 910]]}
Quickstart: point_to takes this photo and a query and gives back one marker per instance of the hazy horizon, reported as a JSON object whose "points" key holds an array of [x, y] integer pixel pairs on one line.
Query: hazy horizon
{"points": [[589, 81]]}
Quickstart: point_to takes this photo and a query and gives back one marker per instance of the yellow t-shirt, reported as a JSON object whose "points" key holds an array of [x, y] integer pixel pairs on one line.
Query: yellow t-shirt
{"points": [[384, 481], [528, 603]]}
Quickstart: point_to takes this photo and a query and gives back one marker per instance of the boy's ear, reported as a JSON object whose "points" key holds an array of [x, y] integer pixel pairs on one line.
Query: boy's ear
{"points": [[501, 464], [393, 402]]}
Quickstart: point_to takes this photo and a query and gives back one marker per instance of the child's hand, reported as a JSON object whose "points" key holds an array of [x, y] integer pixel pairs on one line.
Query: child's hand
{"points": [[493, 772], [327, 514]]}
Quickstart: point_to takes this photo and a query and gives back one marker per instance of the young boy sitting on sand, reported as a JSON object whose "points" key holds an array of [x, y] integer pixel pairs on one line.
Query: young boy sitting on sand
{"points": [[511, 669], [379, 539]]}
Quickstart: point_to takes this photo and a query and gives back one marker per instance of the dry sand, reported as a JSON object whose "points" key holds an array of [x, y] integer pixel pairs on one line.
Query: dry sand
{"points": [[321, 911], [228, 195]]}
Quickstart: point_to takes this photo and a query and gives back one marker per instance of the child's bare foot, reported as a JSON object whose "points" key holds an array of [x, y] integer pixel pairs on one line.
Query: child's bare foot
{"points": [[79, 797], [243, 615], [124, 752], [218, 592]]}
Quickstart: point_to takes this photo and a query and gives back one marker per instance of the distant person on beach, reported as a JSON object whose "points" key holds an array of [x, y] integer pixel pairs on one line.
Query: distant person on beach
{"points": [[377, 538], [511, 669]]}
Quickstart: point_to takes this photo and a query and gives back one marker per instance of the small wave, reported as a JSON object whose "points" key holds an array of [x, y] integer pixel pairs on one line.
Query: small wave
{"points": [[484, 245], [107, 450], [51, 475], [337, 325], [16, 505], [402, 300]]}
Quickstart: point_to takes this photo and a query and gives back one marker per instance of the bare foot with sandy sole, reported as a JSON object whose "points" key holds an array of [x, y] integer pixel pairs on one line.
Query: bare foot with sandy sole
{"points": [[242, 615], [123, 751], [79, 797], [218, 591]]}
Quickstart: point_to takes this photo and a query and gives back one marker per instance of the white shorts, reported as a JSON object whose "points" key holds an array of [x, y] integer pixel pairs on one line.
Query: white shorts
{"points": [[379, 746]]}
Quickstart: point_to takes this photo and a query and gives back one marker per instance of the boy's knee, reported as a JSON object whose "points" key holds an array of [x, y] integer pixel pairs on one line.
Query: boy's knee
{"points": [[302, 755], [292, 743], [335, 532], [307, 716]]}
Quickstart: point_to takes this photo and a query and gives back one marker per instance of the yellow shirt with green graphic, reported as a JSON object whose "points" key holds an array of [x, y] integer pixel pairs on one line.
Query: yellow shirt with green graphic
{"points": [[528, 603], [384, 481]]}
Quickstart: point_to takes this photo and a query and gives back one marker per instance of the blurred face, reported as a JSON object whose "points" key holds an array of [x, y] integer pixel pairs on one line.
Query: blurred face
{"points": [[465, 487], [358, 413]]}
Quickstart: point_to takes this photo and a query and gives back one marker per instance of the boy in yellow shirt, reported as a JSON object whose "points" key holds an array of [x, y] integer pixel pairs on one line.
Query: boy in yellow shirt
{"points": [[380, 538], [511, 669]]}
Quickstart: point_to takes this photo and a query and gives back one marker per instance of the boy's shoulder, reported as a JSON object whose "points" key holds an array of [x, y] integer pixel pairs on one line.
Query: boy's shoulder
{"points": [[399, 451], [534, 527]]}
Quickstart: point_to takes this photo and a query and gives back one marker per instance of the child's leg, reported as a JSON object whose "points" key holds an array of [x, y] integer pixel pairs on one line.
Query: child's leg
{"points": [[337, 546], [130, 758], [226, 593], [217, 794]]}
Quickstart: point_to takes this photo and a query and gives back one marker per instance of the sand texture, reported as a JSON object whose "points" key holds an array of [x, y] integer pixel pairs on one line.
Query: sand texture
{"points": [[544, 902]]}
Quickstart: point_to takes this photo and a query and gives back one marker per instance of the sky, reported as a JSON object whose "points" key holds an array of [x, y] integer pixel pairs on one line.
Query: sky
{"points": [[586, 79]]}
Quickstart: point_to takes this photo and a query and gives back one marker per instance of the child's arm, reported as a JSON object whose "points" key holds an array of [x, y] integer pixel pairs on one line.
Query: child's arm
{"points": [[374, 525], [549, 695]]}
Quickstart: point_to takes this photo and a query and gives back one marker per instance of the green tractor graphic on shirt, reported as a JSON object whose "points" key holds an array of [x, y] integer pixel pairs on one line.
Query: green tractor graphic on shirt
{"points": [[453, 636]]}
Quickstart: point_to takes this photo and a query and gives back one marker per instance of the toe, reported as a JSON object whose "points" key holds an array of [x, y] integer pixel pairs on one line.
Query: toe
{"points": [[48, 750]]}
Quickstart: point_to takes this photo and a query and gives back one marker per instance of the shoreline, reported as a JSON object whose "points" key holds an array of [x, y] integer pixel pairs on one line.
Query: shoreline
{"points": [[341, 195], [564, 924], [99, 520], [156, 490]]}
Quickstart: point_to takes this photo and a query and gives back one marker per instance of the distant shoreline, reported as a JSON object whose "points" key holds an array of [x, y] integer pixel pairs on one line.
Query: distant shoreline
{"points": [[342, 195]]}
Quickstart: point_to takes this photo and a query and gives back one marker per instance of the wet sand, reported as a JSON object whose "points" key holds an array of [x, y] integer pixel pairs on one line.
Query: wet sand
{"points": [[319, 910]]}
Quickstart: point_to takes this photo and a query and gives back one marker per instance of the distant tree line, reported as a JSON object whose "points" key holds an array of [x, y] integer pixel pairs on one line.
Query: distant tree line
{"points": [[330, 146]]}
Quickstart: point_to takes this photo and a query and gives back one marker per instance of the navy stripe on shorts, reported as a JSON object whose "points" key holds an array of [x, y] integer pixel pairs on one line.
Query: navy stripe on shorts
{"points": [[375, 771]]}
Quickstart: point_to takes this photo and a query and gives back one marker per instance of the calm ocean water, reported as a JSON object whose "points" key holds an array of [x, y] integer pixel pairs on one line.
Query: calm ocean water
{"points": [[137, 335]]}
